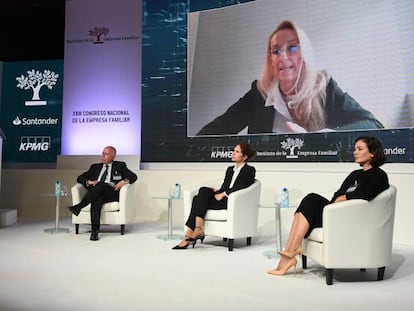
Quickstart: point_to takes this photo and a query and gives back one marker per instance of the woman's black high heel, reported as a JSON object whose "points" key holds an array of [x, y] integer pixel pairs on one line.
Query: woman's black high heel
{"points": [[190, 241], [201, 236]]}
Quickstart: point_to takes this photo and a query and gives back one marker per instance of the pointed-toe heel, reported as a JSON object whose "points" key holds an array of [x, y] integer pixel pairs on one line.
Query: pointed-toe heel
{"points": [[190, 241], [291, 263], [201, 236]]}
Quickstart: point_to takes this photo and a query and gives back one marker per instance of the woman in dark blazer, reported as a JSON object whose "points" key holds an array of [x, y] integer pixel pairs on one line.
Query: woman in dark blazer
{"points": [[292, 95], [239, 176]]}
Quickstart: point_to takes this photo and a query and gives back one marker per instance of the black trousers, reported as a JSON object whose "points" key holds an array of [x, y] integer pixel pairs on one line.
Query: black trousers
{"points": [[311, 207], [203, 201], [97, 196]]}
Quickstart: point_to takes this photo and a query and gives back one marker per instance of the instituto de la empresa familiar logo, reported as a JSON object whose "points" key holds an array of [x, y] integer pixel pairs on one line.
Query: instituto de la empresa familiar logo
{"points": [[35, 80], [97, 32], [291, 144]]}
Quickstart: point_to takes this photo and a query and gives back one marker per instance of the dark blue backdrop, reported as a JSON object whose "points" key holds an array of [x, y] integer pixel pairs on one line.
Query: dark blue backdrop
{"points": [[33, 129]]}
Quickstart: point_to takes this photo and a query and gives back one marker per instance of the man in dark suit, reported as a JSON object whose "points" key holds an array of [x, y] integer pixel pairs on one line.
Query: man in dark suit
{"points": [[103, 181]]}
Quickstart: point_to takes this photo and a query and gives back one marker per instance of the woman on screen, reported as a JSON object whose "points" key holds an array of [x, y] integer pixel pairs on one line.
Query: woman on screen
{"points": [[238, 176], [365, 183], [292, 96]]}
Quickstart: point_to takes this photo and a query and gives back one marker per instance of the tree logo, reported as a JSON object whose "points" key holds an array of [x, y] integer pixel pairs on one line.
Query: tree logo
{"points": [[35, 80], [97, 32], [291, 144]]}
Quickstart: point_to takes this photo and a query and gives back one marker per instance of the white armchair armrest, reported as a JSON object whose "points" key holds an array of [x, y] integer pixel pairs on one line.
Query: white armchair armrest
{"points": [[78, 192], [243, 210]]}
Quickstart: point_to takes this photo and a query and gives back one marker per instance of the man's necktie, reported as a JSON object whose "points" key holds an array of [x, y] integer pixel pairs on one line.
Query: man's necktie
{"points": [[105, 173]]}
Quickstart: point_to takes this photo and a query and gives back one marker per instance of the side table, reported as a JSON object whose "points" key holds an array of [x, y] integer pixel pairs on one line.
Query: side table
{"points": [[275, 253], [169, 235], [57, 229]]}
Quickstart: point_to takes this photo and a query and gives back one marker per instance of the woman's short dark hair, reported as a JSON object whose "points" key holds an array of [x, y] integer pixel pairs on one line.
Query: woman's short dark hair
{"points": [[374, 147], [247, 150]]}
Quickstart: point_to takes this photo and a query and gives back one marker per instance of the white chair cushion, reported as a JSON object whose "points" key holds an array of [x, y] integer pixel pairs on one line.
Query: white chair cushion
{"points": [[107, 207], [217, 215], [316, 235]]}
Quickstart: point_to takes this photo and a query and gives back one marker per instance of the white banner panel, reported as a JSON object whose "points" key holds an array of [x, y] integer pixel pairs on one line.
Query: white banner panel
{"points": [[102, 77]]}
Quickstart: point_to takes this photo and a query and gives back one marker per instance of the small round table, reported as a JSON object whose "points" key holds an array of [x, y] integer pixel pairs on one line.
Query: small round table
{"points": [[169, 235], [57, 229], [275, 253]]}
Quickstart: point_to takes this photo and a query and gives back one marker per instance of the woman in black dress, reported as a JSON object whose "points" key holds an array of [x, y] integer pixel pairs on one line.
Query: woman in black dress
{"points": [[238, 176], [365, 183]]}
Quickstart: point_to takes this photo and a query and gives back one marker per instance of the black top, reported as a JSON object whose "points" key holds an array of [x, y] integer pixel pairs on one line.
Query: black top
{"points": [[342, 113], [362, 184], [244, 179]]}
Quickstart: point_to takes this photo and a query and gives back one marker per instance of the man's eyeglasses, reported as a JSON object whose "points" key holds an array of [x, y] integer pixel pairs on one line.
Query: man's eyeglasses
{"points": [[291, 49]]}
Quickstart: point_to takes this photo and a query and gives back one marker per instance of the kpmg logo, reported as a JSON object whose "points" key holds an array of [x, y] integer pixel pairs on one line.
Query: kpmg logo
{"points": [[35, 121], [34, 143], [35, 80], [221, 152], [291, 144], [97, 32]]}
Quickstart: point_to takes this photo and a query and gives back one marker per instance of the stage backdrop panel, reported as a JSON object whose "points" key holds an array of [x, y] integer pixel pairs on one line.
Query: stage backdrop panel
{"points": [[31, 111], [102, 93]]}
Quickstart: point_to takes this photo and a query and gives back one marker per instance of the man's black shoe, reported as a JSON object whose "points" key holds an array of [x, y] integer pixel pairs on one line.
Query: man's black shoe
{"points": [[74, 209], [94, 236]]}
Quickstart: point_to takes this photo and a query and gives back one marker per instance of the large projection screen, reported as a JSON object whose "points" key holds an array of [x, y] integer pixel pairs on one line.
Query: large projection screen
{"points": [[201, 57], [366, 47]]}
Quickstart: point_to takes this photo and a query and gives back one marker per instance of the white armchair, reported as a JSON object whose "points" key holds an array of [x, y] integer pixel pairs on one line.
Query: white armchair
{"points": [[355, 234], [240, 218], [112, 213]]}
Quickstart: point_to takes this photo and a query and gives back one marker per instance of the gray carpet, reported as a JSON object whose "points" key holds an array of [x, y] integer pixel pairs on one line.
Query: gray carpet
{"points": [[137, 271]]}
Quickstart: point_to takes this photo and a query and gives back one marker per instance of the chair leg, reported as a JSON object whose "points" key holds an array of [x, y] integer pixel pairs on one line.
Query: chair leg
{"points": [[380, 275], [249, 240], [329, 276], [77, 228], [231, 244], [122, 229], [304, 262]]}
